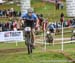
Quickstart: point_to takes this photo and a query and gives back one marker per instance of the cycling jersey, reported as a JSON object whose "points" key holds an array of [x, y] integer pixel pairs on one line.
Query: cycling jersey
{"points": [[32, 17]]}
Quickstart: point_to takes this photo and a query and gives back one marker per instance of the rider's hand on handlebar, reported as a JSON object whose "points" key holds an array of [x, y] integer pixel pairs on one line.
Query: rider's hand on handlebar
{"points": [[28, 19]]}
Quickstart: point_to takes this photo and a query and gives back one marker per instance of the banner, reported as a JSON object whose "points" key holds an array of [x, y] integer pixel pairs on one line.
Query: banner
{"points": [[70, 8], [11, 36], [25, 4]]}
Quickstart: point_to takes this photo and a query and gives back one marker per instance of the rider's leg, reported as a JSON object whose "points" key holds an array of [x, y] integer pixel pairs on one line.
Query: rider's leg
{"points": [[28, 49], [33, 37]]}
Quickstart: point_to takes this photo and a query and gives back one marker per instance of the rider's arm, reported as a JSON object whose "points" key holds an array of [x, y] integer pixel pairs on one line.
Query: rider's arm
{"points": [[23, 16], [37, 20]]}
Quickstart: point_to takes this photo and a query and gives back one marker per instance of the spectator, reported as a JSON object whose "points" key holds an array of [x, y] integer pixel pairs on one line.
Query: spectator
{"points": [[45, 24], [15, 25], [1, 13], [11, 25], [61, 18], [57, 4], [4, 12], [0, 26], [19, 25], [19, 13], [11, 12], [8, 13], [61, 5], [40, 17], [7, 26], [14, 13], [69, 22]]}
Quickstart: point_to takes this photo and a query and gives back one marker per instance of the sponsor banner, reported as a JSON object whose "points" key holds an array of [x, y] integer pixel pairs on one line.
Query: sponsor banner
{"points": [[70, 4], [11, 36]]}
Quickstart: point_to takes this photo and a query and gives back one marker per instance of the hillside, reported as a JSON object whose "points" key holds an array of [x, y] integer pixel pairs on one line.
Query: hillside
{"points": [[46, 8]]}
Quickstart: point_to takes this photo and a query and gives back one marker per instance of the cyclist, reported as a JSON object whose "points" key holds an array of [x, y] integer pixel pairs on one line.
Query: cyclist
{"points": [[30, 15]]}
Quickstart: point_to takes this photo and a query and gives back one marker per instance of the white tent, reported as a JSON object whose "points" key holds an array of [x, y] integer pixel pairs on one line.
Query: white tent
{"points": [[1, 1]]}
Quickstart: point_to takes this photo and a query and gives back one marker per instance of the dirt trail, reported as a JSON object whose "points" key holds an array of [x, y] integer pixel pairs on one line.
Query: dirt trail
{"points": [[14, 50]]}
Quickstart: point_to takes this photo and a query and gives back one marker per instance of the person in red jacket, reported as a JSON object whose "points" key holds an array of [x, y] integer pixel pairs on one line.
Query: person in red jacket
{"points": [[45, 24], [15, 25], [69, 22]]}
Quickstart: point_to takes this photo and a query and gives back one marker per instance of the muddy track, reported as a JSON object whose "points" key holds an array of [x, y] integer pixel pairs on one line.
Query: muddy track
{"points": [[14, 50], [68, 57], [65, 55]]}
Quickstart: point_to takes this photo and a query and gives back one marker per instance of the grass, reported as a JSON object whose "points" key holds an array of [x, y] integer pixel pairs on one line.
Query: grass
{"points": [[58, 47], [66, 35], [8, 6], [11, 45], [38, 55], [41, 57], [38, 47], [34, 58], [68, 48], [49, 11]]}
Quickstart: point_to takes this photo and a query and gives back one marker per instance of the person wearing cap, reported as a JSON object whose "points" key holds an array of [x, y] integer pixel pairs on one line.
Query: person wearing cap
{"points": [[31, 15]]}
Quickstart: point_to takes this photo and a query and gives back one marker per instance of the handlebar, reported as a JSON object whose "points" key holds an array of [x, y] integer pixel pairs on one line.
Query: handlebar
{"points": [[28, 19]]}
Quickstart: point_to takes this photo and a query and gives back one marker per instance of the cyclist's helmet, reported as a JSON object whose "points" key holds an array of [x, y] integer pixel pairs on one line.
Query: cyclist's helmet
{"points": [[30, 10]]}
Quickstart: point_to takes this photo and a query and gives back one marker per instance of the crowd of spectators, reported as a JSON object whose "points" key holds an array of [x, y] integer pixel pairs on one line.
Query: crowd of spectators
{"points": [[16, 24], [9, 13], [59, 5], [10, 25]]}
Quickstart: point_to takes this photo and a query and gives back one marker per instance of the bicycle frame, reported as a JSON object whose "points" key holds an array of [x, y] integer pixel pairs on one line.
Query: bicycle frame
{"points": [[28, 36]]}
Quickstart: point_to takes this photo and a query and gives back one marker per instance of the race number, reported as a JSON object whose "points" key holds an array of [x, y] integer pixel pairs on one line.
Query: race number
{"points": [[27, 29]]}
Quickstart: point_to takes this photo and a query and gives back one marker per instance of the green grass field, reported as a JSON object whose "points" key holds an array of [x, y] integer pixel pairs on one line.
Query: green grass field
{"points": [[39, 55], [34, 58]]}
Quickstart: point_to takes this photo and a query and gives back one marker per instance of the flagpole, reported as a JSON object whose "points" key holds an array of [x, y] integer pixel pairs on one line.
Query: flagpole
{"points": [[16, 43], [62, 47], [45, 40], [44, 36]]}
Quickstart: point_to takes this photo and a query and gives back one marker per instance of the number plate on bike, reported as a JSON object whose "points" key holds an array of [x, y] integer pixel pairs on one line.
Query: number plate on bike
{"points": [[27, 29]]}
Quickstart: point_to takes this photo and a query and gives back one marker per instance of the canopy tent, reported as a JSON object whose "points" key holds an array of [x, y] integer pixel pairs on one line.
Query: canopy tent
{"points": [[1, 1]]}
